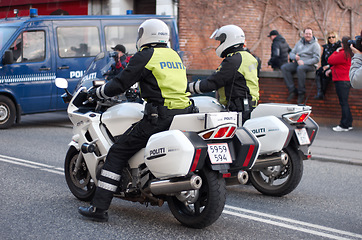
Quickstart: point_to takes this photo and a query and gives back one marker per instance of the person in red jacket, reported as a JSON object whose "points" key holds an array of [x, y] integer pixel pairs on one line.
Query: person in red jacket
{"points": [[341, 63]]}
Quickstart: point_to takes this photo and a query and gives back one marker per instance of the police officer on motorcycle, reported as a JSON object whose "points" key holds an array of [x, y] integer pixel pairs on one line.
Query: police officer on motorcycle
{"points": [[236, 79], [162, 80]]}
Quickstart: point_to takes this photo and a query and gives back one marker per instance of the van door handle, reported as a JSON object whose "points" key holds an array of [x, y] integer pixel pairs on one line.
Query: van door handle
{"points": [[63, 67], [44, 69]]}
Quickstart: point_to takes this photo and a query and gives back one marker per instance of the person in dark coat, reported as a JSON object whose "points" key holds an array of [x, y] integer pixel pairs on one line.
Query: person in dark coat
{"points": [[321, 79], [279, 50], [120, 61]]}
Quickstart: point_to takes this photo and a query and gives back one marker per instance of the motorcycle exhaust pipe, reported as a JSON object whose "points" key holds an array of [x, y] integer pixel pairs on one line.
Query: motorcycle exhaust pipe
{"points": [[271, 160], [174, 186], [241, 178]]}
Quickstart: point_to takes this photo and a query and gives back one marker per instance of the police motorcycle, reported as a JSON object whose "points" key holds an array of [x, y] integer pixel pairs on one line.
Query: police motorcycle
{"points": [[187, 166], [285, 132]]}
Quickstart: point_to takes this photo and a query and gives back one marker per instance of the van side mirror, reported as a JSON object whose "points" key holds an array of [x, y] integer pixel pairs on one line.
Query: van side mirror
{"points": [[8, 57]]}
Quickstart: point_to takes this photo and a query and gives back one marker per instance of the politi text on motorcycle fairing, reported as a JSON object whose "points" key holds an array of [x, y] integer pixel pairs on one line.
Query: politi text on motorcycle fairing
{"points": [[157, 151]]}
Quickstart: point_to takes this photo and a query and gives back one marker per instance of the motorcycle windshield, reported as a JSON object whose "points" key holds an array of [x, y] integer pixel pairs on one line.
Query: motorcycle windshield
{"points": [[97, 69]]}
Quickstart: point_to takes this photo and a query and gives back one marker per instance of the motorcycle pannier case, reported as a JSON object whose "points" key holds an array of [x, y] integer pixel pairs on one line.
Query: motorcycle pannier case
{"points": [[169, 154]]}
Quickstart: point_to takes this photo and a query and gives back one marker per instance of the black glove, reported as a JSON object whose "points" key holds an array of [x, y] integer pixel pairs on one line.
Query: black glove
{"points": [[92, 95]]}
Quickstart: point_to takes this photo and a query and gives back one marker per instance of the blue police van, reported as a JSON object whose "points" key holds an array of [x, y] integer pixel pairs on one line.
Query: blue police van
{"points": [[35, 50]]}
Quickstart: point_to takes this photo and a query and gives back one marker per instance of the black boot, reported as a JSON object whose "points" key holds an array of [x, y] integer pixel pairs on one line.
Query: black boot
{"points": [[318, 82], [93, 213], [319, 96], [301, 98], [292, 94]]}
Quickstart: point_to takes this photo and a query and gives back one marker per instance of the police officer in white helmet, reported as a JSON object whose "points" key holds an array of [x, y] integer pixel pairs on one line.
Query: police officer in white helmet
{"points": [[236, 79], [162, 81]]}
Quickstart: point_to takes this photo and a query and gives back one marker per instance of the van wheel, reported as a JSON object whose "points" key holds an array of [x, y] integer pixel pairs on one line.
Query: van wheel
{"points": [[7, 112]]}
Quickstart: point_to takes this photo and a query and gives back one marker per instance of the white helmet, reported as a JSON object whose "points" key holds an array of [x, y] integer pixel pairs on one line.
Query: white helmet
{"points": [[229, 35], [152, 31]]}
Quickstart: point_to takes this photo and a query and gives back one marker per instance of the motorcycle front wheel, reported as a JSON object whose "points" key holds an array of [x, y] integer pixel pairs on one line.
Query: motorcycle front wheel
{"points": [[207, 206], [80, 184], [279, 180]]}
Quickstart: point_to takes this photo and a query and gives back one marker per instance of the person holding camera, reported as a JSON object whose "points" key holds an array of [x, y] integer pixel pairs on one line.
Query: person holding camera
{"points": [[355, 72], [121, 61], [340, 62]]}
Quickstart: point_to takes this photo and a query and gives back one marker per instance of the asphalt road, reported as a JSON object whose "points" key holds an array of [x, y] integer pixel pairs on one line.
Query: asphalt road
{"points": [[35, 202]]}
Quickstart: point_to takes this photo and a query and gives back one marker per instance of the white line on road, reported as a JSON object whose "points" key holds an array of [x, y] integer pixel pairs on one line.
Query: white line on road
{"points": [[31, 164], [296, 225], [290, 223]]}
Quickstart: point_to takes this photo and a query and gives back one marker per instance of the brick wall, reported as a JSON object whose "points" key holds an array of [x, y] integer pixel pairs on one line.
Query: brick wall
{"points": [[326, 112], [198, 20]]}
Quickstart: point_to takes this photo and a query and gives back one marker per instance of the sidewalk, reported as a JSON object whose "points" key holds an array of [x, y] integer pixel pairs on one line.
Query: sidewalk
{"points": [[342, 147]]}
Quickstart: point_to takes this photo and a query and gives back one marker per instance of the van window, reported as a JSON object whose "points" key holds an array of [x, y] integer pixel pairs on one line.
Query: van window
{"points": [[29, 46], [125, 35], [78, 41], [5, 34]]}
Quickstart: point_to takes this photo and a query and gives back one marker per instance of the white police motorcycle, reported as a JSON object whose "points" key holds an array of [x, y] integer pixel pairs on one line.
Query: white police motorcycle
{"points": [[285, 132], [186, 166]]}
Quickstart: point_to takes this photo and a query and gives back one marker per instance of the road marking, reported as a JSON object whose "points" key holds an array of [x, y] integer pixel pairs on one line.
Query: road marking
{"points": [[289, 223], [31, 164]]}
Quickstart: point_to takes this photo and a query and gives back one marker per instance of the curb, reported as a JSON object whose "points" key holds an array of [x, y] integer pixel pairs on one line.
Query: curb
{"points": [[336, 159]]}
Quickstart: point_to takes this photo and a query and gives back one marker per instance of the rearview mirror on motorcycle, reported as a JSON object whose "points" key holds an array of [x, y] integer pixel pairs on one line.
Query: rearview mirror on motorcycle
{"points": [[61, 83]]}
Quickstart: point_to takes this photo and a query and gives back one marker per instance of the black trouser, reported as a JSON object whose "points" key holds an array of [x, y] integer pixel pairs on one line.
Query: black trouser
{"points": [[322, 81], [289, 68], [133, 140], [342, 90]]}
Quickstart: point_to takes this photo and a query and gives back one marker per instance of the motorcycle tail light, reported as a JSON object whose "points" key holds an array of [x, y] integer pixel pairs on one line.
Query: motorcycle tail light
{"points": [[222, 132], [231, 132], [207, 135], [297, 117]]}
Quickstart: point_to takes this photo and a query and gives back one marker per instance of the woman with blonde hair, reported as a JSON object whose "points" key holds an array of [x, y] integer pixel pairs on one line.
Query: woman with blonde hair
{"points": [[332, 43]]}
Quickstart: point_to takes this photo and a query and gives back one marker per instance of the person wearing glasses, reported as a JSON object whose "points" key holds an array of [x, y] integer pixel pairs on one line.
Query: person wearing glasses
{"points": [[333, 43]]}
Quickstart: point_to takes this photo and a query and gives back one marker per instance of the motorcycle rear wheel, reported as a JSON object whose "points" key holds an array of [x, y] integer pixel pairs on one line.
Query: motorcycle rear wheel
{"points": [[208, 206], [282, 183], [81, 184]]}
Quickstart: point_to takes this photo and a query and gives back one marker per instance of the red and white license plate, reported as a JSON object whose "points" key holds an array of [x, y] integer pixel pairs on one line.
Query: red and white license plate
{"points": [[219, 153], [302, 136]]}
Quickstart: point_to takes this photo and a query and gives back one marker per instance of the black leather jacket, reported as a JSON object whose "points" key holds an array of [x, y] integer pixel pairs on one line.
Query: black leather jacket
{"points": [[279, 52]]}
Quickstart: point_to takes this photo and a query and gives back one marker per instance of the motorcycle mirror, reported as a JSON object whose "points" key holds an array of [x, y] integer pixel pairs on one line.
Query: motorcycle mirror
{"points": [[61, 83]]}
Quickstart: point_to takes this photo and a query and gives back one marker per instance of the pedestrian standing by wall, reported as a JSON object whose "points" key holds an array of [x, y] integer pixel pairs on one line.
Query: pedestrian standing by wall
{"points": [[341, 63], [279, 50], [321, 79], [305, 56]]}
